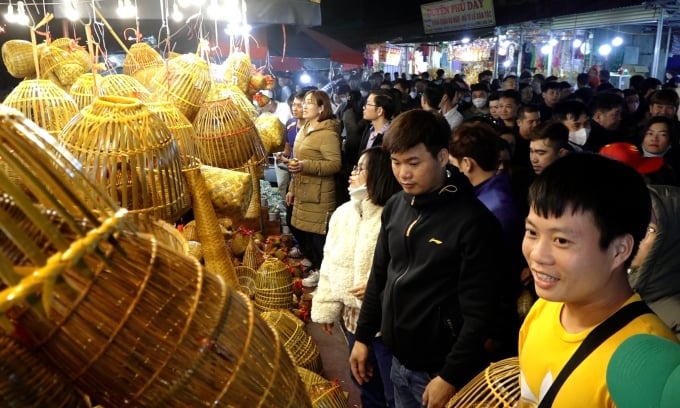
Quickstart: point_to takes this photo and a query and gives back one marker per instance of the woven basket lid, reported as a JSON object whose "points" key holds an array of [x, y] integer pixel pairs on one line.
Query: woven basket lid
{"points": [[496, 386], [86, 88], [18, 58], [130, 152], [124, 85], [44, 103]]}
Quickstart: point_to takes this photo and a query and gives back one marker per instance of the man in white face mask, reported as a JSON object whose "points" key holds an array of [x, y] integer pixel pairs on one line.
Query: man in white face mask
{"points": [[480, 104], [574, 115]]}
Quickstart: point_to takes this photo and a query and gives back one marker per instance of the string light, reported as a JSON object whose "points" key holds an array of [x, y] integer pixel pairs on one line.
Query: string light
{"points": [[9, 16], [177, 15], [126, 9], [21, 16], [72, 12]]}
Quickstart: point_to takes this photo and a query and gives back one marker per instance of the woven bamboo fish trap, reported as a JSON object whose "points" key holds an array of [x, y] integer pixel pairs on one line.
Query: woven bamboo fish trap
{"points": [[76, 52], [131, 154], [273, 286], [131, 322], [165, 233], [44, 103], [238, 70], [241, 100], [86, 88], [18, 58], [26, 381], [181, 129], [323, 393], [496, 386], [63, 64], [246, 280], [253, 257], [256, 171], [271, 131], [142, 62], [185, 82], [298, 343], [230, 190], [124, 85]]}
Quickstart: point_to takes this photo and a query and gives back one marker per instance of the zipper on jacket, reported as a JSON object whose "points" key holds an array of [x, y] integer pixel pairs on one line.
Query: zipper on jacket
{"points": [[411, 225], [394, 285]]}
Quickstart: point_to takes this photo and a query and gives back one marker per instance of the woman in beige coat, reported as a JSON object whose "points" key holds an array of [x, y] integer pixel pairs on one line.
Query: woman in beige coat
{"points": [[312, 190]]}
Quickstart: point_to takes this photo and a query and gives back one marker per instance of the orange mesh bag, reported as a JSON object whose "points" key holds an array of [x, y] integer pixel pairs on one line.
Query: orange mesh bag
{"points": [[185, 82], [131, 154], [123, 317], [323, 393], [496, 386], [298, 343], [142, 62], [44, 103], [273, 286], [124, 85], [86, 88], [238, 70], [181, 129], [18, 58], [225, 135]]}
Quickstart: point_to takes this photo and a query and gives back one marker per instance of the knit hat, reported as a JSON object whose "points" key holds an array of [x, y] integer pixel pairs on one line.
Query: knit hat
{"points": [[631, 155], [644, 371]]}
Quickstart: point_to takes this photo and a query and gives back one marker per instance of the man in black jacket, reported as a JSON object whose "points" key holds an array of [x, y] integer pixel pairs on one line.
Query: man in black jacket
{"points": [[435, 287]]}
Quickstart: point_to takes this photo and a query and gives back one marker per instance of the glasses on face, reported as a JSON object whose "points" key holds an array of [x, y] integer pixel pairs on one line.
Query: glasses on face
{"points": [[357, 169], [370, 104]]}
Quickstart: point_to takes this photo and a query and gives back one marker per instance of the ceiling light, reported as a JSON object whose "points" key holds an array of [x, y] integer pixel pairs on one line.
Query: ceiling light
{"points": [[465, 40], [176, 15], [576, 43], [617, 41], [546, 49], [604, 50]]}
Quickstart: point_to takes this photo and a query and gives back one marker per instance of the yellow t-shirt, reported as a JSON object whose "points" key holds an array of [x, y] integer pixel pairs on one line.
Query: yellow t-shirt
{"points": [[545, 347]]}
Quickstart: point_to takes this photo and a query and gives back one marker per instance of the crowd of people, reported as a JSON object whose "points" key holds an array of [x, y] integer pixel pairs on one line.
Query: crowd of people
{"points": [[426, 208]]}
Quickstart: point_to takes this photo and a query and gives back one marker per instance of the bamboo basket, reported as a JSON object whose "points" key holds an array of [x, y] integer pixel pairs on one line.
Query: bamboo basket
{"points": [[496, 386], [230, 190], [18, 58], [323, 393], [241, 100], [181, 129], [124, 85], [253, 257], [298, 343], [131, 154], [273, 286], [142, 62], [238, 70], [44, 103], [86, 89], [271, 131], [63, 43], [26, 381], [165, 233], [131, 322], [225, 136], [246, 280], [66, 67], [185, 82]]}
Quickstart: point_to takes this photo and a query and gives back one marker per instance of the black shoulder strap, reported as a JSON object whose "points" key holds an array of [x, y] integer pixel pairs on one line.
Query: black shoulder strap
{"points": [[596, 337]]}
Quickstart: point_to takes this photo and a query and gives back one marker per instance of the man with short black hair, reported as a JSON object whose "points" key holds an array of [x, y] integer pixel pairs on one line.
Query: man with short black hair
{"points": [[606, 111], [378, 110]]}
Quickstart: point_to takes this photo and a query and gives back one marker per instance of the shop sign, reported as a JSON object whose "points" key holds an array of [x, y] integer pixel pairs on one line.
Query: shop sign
{"points": [[456, 15]]}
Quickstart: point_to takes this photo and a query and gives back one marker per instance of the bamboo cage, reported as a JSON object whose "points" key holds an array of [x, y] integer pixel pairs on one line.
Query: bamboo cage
{"points": [[225, 135], [298, 343], [124, 85], [62, 64], [185, 82], [86, 88], [497, 386], [271, 131], [246, 280], [130, 153], [18, 58], [43, 102], [273, 286], [26, 381], [142, 62], [131, 322], [181, 129], [238, 70], [253, 256], [323, 393], [241, 100]]}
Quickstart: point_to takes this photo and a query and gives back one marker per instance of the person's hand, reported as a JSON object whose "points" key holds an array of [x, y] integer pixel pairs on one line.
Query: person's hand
{"points": [[438, 393], [295, 166], [289, 198], [361, 371], [328, 328], [358, 291]]}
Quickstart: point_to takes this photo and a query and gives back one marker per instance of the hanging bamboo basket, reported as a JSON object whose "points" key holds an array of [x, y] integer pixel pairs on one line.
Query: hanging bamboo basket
{"points": [[241, 100], [230, 190], [496, 386], [238, 70], [18, 58], [124, 85], [298, 343], [131, 154], [86, 89], [142, 62], [62, 64], [225, 136], [323, 393], [181, 129], [44, 103], [271, 131], [185, 82]]}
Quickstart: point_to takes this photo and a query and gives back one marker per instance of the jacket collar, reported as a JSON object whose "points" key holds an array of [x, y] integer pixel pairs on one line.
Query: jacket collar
{"points": [[455, 182]]}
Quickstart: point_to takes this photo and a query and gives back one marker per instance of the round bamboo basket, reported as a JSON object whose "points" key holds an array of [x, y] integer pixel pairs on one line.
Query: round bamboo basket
{"points": [[230, 191], [63, 43], [271, 131], [238, 70], [185, 82], [273, 286], [241, 100], [86, 88], [225, 136], [131, 322], [246, 280], [496, 386], [181, 129], [44, 103], [142, 62], [298, 343], [165, 233], [18, 58], [323, 393], [62, 64], [26, 381], [124, 85], [131, 154]]}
